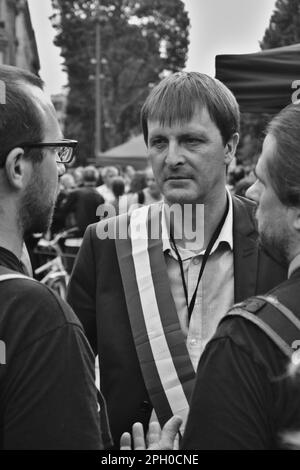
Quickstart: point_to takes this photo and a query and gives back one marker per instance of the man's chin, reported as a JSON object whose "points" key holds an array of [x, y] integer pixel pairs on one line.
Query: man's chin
{"points": [[179, 196]]}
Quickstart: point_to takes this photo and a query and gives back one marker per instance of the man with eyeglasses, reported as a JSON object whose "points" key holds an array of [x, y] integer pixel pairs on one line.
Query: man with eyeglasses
{"points": [[48, 399]]}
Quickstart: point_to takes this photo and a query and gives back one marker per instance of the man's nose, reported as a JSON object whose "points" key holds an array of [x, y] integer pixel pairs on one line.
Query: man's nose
{"points": [[175, 155], [253, 192]]}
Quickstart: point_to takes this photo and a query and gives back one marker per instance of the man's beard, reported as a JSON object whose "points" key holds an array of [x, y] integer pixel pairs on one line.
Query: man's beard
{"points": [[36, 210], [276, 246]]}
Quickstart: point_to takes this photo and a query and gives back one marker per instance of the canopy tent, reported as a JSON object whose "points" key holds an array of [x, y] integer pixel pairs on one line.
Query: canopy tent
{"points": [[261, 82], [133, 152]]}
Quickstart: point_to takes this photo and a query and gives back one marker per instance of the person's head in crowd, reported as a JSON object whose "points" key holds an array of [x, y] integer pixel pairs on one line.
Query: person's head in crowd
{"points": [[130, 171], [118, 186], [277, 188], [29, 169], [190, 123], [138, 182], [108, 174], [90, 176], [67, 183], [128, 175], [151, 183], [78, 176]]}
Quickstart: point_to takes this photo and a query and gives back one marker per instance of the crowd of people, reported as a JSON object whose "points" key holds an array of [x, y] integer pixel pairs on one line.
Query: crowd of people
{"points": [[83, 189], [195, 332]]}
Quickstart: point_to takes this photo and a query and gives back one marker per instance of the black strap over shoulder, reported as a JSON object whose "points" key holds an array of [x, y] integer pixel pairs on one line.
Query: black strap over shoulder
{"points": [[280, 324]]}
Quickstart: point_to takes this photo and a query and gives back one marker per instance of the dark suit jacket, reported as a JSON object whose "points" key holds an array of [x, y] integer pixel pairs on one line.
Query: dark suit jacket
{"points": [[97, 297]]}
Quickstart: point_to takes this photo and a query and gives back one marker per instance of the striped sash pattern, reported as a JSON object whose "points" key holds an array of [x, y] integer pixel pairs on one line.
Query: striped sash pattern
{"points": [[160, 344]]}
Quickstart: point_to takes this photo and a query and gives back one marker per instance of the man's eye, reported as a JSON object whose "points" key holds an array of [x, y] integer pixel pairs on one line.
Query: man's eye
{"points": [[193, 141], [158, 143]]}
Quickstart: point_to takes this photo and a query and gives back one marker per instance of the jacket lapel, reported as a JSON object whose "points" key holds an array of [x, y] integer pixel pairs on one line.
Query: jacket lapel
{"points": [[245, 249]]}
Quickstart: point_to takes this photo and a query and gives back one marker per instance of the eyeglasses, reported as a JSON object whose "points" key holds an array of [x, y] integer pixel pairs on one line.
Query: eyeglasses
{"points": [[64, 148]]}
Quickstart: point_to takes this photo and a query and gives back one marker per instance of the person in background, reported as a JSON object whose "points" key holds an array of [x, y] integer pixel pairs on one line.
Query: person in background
{"points": [[138, 182], [118, 189], [78, 176], [128, 176], [151, 194], [108, 174], [84, 201], [60, 222]]}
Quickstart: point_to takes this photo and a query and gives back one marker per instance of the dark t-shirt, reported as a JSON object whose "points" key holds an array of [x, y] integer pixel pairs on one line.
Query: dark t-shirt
{"points": [[243, 397], [47, 392]]}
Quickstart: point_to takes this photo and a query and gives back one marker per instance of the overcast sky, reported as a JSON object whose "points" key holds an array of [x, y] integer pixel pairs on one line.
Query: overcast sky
{"points": [[217, 27]]}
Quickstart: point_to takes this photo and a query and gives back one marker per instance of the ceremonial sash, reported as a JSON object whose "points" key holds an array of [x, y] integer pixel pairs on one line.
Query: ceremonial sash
{"points": [[160, 344]]}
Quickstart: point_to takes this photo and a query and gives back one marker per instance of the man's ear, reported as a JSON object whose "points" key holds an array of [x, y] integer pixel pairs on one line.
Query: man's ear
{"points": [[230, 148], [17, 169]]}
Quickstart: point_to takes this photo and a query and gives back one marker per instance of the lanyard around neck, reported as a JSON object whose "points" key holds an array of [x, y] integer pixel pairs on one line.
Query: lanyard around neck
{"points": [[212, 241]]}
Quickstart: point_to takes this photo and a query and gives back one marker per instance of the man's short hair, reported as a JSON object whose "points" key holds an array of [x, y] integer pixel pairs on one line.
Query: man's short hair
{"points": [[118, 186], [177, 96], [284, 168], [20, 120], [90, 174]]}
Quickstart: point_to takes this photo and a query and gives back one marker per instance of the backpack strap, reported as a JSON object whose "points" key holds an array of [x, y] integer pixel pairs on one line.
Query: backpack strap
{"points": [[277, 321]]}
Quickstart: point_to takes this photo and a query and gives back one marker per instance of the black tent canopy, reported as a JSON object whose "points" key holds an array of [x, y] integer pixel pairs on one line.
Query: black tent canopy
{"points": [[262, 82]]}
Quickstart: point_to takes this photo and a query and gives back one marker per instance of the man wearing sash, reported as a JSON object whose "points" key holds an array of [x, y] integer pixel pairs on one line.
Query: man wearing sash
{"points": [[150, 297]]}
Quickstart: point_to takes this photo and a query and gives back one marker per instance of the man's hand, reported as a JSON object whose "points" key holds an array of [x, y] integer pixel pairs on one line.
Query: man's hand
{"points": [[157, 438]]}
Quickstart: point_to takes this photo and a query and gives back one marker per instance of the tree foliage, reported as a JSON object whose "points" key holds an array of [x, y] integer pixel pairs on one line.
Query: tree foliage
{"points": [[284, 27], [140, 41], [283, 30]]}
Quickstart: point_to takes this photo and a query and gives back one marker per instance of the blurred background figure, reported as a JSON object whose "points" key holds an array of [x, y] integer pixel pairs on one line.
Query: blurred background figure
{"points": [[59, 222], [138, 182], [151, 193], [240, 179], [235, 175], [128, 176], [118, 189], [84, 201], [108, 174], [82, 204], [78, 176]]}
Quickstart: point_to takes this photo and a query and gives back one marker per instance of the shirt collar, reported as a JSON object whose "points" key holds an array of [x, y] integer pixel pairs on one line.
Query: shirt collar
{"points": [[226, 234], [294, 265]]}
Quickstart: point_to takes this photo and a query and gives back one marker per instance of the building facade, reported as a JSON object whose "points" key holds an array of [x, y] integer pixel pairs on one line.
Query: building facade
{"points": [[17, 39]]}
